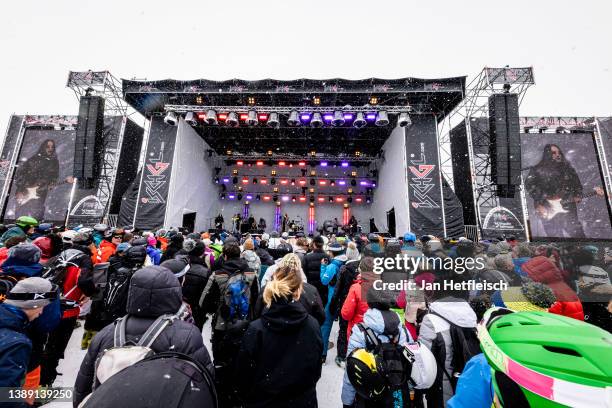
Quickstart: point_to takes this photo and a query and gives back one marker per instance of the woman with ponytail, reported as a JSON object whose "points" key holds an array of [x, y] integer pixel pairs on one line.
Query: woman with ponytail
{"points": [[279, 362]]}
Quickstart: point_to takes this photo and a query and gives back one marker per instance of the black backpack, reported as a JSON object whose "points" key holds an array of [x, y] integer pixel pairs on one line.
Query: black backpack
{"points": [[465, 346], [116, 291], [166, 379], [57, 270], [7, 282], [391, 361]]}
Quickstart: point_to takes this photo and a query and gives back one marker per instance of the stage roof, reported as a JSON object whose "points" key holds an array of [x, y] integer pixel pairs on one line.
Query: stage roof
{"points": [[422, 96]]}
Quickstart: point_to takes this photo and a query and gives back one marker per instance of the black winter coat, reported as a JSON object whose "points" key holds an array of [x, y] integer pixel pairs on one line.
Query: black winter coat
{"points": [[346, 276], [312, 269], [310, 299], [154, 291], [264, 256], [279, 362]]}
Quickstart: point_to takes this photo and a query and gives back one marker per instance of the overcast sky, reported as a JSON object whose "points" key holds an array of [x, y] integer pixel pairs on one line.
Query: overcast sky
{"points": [[568, 42]]}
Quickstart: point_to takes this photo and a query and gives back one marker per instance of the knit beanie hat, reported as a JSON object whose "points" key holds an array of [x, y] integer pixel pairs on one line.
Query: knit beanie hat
{"points": [[23, 254], [189, 244], [31, 293]]}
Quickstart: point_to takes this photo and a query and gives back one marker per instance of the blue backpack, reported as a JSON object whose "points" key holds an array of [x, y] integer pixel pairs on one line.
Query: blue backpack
{"points": [[237, 294]]}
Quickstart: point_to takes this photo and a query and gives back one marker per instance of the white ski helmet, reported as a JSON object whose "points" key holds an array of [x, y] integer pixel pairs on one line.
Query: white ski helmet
{"points": [[424, 367]]}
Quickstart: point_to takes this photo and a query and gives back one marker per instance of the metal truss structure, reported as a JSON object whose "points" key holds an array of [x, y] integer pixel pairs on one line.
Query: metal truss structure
{"points": [[475, 104], [394, 109], [105, 85]]}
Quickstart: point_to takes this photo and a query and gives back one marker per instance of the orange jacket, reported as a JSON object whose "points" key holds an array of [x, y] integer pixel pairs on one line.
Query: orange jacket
{"points": [[106, 250]]}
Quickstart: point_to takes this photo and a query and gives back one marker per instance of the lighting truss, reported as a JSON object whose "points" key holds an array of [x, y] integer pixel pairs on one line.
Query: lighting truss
{"points": [[285, 110], [475, 104]]}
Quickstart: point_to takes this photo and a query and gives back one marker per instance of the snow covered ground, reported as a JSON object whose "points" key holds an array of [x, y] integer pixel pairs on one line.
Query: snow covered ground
{"points": [[328, 387]]}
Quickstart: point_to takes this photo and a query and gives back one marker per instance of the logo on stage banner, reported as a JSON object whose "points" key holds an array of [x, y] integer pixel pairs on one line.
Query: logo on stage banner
{"points": [[502, 219], [155, 179], [422, 181]]}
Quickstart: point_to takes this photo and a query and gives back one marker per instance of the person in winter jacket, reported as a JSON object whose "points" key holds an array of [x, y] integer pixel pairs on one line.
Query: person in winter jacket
{"points": [[301, 249], [329, 271], [380, 320], [409, 248], [24, 303], [175, 245], [8, 244], [250, 256], [278, 247], [196, 278], [312, 266], [24, 227], [77, 286], [435, 335], [108, 246], [355, 306], [544, 270], [226, 337], [154, 254], [310, 298], [346, 277], [23, 261], [474, 388], [153, 292], [278, 364], [97, 235]]}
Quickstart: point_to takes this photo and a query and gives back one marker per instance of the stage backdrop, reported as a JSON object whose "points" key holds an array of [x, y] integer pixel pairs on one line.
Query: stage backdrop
{"points": [[40, 187], [591, 217]]}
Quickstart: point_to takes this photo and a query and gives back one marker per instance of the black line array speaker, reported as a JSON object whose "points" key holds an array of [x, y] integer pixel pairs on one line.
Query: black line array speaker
{"points": [[505, 148], [89, 144]]}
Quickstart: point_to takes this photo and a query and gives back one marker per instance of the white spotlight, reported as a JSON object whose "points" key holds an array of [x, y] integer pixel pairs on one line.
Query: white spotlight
{"points": [[211, 117], [338, 118], [382, 119], [273, 120], [403, 119], [252, 118], [232, 119], [294, 119], [359, 121], [317, 120], [171, 119], [191, 119]]}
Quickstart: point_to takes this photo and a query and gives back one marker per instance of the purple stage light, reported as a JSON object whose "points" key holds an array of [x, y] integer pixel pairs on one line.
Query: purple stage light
{"points": [[328, 117], [323, 164], [285, 198], [305, 117], [232, 196], [363, 183], [342, 183], [348, 116], [345, 164], [249, 197], [225, 180], [371, 116]]}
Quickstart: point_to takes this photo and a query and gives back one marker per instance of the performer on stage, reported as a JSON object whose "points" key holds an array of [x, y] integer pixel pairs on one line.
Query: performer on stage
{"points": [[352, 225], [34, 179], [262, 224], [553, 178], [335, 225], [285, 223], [236, 221], [219, 222], [252, 224]]}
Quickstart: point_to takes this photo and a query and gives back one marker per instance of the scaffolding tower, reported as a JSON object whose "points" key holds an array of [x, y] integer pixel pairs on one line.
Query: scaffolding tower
{"points": [[107, 86], [474, 105]]}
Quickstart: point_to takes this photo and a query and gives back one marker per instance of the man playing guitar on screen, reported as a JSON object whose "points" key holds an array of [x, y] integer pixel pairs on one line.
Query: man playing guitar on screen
{"points": [[555, 188]]}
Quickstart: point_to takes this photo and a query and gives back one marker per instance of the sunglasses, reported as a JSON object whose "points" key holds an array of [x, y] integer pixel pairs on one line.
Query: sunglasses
{"points": [[118, 236]]}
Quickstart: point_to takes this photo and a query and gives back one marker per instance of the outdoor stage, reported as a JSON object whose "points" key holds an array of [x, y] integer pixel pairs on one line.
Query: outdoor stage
{"points": [[429, 156]]}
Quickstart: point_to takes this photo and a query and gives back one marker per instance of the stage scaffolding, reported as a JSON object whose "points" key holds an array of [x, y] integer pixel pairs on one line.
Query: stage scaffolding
{"points": [[105, 85], [475, 104]]}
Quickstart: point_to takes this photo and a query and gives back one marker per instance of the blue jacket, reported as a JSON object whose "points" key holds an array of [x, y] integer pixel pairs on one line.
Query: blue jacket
{"points": [[328, 272], [374, 320], [474, 388], [154, 254], [518, 262], [15, 346]]}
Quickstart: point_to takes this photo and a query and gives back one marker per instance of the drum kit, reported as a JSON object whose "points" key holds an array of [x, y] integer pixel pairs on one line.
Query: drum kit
{"points": [[296, 225]]}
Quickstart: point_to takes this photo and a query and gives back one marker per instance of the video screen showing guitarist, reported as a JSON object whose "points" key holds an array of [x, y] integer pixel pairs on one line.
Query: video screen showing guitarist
{"points": [[33, 180], [549, 181]]}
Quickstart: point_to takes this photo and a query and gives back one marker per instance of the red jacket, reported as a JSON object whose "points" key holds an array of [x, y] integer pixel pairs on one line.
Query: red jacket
{"points": [[543, 270], [353, 308], [3, 254]]}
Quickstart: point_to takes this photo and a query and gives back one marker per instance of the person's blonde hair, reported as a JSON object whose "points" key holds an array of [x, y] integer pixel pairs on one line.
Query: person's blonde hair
{"points": [[248, 245], [286, 283]]}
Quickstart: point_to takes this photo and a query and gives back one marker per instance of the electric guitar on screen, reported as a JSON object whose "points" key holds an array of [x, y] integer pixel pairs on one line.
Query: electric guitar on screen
{"points": [[32, 192], [556, 205]]}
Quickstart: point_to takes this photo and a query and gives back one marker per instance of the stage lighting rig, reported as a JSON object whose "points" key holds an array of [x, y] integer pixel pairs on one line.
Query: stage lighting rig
{"points": [[232, 119], [359, 121], [316, 100], [211, 117], [252, 119], [191, 119], [382, 119], [338, 118], [273, 122], [294, 119], [373, 100], [316, 121], [171, 119], [251, 100], [403, 119]]}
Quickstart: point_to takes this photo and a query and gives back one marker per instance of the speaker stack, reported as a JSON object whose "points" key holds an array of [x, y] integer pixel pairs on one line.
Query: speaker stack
{"points": [[89, 142], [505, 147]]}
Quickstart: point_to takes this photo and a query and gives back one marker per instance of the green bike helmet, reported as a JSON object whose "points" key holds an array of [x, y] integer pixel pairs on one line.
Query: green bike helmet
{"points": [[541, 359], [25, 221]]}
